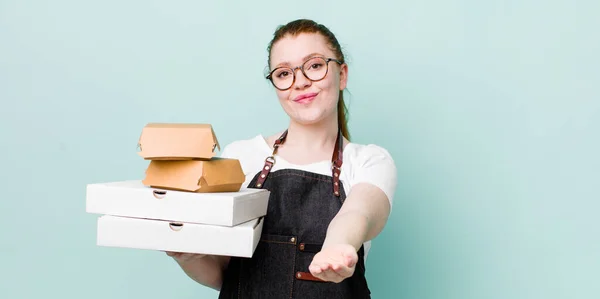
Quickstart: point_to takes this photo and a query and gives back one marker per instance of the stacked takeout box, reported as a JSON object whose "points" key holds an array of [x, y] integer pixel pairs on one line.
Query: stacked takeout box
{"points": [[189, 201]]}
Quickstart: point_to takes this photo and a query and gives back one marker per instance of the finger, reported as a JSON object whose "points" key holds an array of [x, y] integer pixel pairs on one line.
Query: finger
{"points": [[319, 267], [331, 275], [346, 266], [324, 271], [323, 266], [345, 271], [350, 259], [341, 266], [337, 268], [315, 269], [328, 269]]}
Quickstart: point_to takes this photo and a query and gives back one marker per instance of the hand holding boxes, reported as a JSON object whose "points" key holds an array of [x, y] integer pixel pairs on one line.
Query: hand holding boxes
{"points": [[189, 201]]}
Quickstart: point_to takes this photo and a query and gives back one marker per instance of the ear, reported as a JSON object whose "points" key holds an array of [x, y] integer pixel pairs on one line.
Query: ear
{"points": [[343, 76]]}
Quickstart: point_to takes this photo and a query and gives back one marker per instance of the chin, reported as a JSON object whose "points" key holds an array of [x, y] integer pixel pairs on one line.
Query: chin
{"points": [[307, 117], [310, 114], [306, 122]]}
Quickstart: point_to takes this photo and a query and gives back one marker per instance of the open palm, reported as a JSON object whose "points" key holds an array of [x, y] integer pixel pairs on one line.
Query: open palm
{"points": [[334, 263]]}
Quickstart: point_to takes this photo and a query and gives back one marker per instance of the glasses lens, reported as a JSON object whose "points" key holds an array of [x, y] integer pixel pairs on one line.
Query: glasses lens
{"points": [[315, 68], [282, 78]]}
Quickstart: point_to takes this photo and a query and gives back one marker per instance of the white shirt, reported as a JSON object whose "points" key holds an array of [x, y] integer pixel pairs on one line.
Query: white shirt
{"points": [[361, 163]]}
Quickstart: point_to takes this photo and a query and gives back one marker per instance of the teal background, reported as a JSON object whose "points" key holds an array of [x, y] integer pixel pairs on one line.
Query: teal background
{"points": [[491, 110]]}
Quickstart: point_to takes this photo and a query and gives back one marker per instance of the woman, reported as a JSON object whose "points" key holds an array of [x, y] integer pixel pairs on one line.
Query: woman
{"points": [[329, 197]]}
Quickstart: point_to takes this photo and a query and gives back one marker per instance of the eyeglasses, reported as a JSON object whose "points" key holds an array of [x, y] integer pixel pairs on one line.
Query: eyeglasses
{"points": [[315, 69]]}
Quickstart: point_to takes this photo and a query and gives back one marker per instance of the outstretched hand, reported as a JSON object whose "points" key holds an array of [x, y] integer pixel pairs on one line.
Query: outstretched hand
{"points": [[334, 263]]}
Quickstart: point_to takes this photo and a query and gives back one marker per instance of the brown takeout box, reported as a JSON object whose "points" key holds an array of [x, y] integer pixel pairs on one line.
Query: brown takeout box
{"points": [[203, 176], [177, 141]]}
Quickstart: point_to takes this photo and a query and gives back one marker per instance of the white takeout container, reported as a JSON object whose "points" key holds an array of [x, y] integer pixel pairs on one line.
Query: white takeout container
{"points": [[134, 199], [137, 233]]}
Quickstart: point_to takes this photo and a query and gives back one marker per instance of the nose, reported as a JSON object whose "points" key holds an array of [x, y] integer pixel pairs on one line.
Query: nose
{"points": [[301, 80]]}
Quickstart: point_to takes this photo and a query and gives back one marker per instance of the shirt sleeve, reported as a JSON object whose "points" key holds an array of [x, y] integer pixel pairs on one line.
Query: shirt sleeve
{"points": [[235, 150], [241, 150], [376, 166], [227, 152]]}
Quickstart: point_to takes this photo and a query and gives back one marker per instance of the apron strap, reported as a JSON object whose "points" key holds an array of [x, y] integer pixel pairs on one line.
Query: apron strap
{"points": [[336, 159]]}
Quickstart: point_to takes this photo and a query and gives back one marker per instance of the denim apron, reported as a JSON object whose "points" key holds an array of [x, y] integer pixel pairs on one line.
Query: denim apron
{"points": [[301, 206]]}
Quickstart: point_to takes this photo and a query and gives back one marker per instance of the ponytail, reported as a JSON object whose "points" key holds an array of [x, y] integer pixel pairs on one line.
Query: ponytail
{"points": [[343, 116]]}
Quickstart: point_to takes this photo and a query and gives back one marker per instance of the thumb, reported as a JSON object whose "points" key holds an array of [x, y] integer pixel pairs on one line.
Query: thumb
{"points": [[351, 259]]}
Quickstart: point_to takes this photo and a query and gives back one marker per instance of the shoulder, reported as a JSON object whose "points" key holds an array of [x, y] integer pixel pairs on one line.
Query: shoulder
{"points": [[250, 152], [371, 163], [239, 148], [256, 144], [362, 157], [366, 154]]}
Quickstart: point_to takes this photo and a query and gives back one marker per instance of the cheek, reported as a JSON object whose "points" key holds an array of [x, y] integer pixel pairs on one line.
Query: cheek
{"points": [[282, 95], [329, 87], [331, 83]]}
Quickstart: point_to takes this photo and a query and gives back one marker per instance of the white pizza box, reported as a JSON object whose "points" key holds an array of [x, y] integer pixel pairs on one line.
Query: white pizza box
{"points": [[133, 199], [137, 233]]}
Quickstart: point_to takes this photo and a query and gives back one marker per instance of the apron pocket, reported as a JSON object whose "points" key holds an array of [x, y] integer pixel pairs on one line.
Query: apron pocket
{"points": [[270, 274]]}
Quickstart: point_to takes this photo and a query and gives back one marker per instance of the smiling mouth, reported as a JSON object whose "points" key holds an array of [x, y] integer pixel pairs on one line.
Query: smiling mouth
{"points": [[305, 98]]}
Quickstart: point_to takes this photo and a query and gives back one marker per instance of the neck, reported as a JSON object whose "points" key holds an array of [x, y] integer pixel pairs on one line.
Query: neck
{"points": [[313, 136]]}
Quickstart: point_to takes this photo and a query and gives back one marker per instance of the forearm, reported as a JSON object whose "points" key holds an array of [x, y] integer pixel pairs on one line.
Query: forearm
{"points": [[362, 217], [207, 271], [348, 228]]}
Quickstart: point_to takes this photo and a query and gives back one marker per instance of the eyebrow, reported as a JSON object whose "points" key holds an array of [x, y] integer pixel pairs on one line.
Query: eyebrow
{"points": [[303, 59]]}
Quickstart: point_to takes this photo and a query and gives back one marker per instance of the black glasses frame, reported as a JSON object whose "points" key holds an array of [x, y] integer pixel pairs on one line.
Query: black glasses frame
{"points": [[327, 60]]}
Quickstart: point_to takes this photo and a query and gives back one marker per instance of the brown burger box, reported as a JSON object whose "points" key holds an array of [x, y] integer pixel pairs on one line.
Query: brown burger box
{"points": [[182, 157], [177, 141], [215, 175]]}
